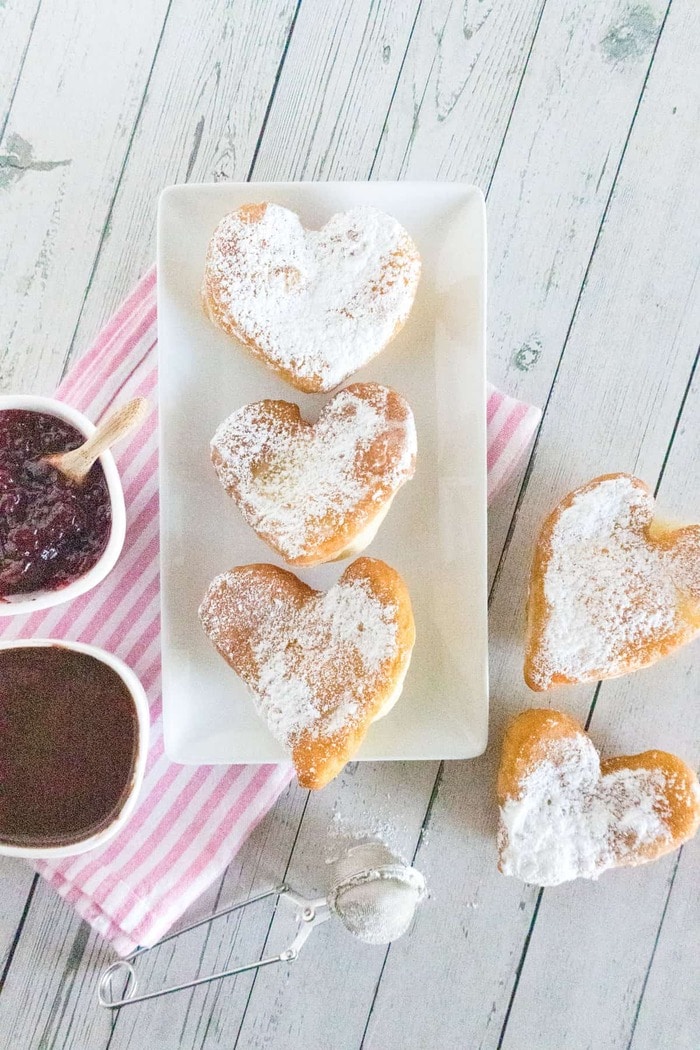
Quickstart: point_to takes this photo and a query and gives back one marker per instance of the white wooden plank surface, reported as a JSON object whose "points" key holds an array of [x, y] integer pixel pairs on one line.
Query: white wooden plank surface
{"points": [[16, 23], [435, 85], [82, 83], [608, 394], [200, 122], [455, 97], [328, 112]]}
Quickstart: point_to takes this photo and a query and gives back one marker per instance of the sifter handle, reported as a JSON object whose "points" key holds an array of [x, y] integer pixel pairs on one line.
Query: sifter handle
{"points": [[310, 914]]}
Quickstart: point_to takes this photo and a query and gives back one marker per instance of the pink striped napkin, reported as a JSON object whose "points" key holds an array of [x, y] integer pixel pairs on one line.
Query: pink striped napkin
{"points": [[190, 821]]}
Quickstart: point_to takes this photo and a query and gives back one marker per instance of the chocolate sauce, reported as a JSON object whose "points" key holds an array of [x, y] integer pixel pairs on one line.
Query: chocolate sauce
{"points": [[52, 530], [68, 745]]}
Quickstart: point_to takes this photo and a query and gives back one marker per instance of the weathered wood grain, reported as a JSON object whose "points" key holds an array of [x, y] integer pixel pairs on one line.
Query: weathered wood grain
{"points": [[597, 1002], [457, 90], [625, 365], [48, 975], [82, 84], [550, 188], [617, 309], [670, 1004], [334, 90], [16, 23], [16, 879], [200, 122], [546, 202]]}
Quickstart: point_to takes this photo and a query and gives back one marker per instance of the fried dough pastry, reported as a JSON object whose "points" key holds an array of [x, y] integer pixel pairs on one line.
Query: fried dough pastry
{"points": [[564, 814], [317, 492], [314, 305], [612, 588], [321, 666]]}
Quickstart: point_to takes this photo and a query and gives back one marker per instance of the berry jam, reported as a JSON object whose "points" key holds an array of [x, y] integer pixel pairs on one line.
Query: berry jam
{"points": [[52, 531]]}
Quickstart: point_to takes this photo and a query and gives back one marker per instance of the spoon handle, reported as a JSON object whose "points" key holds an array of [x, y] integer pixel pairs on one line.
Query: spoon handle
{"points": [[115, 427]]}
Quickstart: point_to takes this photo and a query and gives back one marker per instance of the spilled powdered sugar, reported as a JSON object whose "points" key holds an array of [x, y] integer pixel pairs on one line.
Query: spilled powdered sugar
{"points": [[609, 590], [318, 303], [299, 484], [569, 822], [345, 832]]}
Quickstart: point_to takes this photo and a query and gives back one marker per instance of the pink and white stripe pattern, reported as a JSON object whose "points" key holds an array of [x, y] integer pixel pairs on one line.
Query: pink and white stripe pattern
{"points": [[189, 821], [510, 426]]}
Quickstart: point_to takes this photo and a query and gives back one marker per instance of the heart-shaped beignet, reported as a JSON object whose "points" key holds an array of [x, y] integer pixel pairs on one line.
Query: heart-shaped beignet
{"points": [[317, 492], [564, 814], [612, 590], [314, 305], [321, 666]]}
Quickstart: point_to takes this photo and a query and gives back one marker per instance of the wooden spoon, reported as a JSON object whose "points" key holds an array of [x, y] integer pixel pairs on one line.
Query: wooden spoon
{"points": [[76, 464]]}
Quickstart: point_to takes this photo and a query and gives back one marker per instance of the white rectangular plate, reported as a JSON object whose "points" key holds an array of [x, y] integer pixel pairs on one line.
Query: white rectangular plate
{"points": [[435, 532]]}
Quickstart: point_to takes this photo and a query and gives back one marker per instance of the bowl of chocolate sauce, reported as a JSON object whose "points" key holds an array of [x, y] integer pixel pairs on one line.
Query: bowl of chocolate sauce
{"points": [[74, 727], [58, 539]]}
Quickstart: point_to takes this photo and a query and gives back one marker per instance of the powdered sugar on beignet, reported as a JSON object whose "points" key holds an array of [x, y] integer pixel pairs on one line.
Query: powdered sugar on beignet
{"points": [[311, 491], [320, 665], [565, 815], [315, 305], [612, 590]]}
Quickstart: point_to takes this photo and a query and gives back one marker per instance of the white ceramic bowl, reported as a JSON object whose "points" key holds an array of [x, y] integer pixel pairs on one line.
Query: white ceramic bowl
{"points": [[138, 695], [18, 604]]}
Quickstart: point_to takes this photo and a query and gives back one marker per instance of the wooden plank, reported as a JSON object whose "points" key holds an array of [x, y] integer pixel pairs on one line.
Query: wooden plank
{"points": [[47, 974], [670, 1002], [50, 999], [187, 131], [194, 1018], [16, 23], [457, 89], [283, 1010], [597, 1003], [82, 85], [16, 879], [624, 431], [328, 113]]}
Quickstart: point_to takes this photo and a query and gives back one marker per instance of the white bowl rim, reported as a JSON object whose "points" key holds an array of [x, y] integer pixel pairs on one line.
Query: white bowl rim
{"points": [[138, 695], [27, 603]]}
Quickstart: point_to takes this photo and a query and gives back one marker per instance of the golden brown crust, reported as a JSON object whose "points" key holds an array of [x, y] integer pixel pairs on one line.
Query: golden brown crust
{"points": [[316, 533], [681, 542], [679, 806], [318, 763], [528, 742], [400, 268], [263, 598]]}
